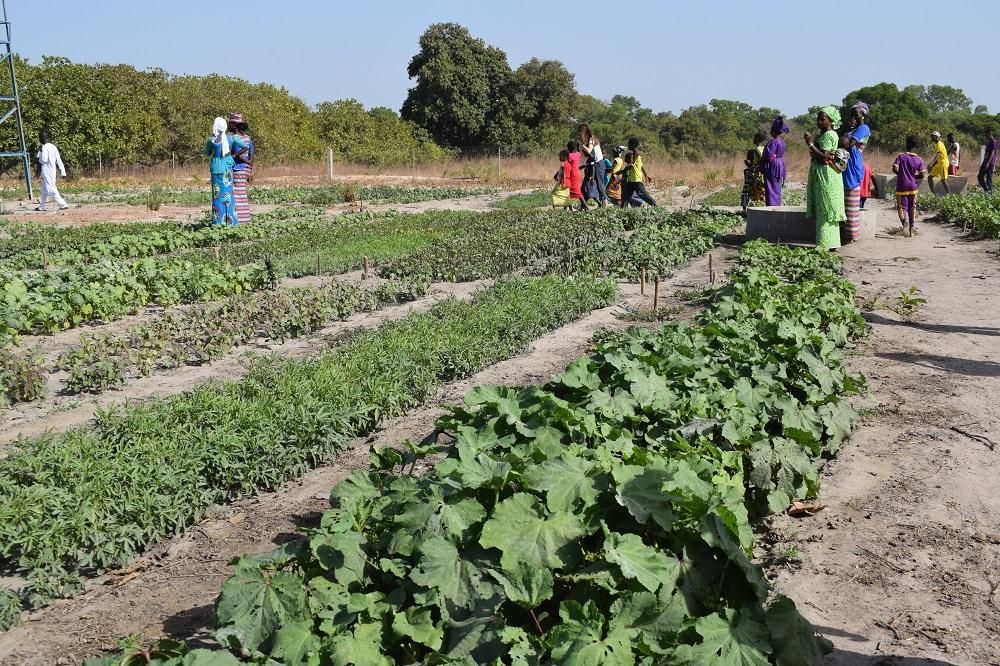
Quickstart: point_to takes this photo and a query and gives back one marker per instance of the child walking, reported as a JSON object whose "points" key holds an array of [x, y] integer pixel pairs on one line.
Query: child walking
{"points": [[635, 177], [753, 180], [575, 177], [560, 193], [910, 170]]}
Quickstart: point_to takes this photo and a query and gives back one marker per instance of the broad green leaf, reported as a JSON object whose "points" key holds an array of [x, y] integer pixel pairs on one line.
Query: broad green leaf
{"points": [[565, 481], [581, 639], [527, 585], [579, 374], [209, 658], [362, 648], [794, 639], [650, 567], [295, 645], [416, 624], [731, 639], [640, 490], [523, 533], [521, 651], [252, 606], [615, 404], [340, 553], [443, 568]]}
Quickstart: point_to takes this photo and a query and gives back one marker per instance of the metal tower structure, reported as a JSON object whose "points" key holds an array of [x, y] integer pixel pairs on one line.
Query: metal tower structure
{"points": [[10, 106]]}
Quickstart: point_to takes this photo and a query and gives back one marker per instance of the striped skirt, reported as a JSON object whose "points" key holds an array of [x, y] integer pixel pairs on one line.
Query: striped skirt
{"points": [[852, 205], [240, 195]]}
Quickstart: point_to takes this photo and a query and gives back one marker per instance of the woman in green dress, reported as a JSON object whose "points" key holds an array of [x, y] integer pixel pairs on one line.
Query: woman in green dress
{"points": [[825, 190]]}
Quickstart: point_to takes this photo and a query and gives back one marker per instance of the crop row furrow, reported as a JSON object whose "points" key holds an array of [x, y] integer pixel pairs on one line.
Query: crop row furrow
{"points": [[92, 498], [604, 518]]}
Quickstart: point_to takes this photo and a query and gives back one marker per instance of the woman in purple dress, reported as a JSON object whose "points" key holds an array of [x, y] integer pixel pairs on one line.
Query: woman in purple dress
{"points": [[772, 163]]}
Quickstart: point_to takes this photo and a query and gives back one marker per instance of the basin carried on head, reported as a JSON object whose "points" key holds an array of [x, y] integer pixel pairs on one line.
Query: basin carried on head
{"points": [[788, 224], [887, 184]]}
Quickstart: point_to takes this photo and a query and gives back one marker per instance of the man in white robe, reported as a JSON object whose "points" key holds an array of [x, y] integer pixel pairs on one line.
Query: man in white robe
{"points": [[48, 161]]}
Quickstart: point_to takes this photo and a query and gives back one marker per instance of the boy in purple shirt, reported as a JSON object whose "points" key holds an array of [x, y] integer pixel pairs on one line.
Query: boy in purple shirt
{"points": [[989, 164], [909, 170]]}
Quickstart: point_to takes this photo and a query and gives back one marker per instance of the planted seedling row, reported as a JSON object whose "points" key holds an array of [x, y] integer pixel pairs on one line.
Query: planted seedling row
{"points": [[93, 498], [604, 518], [207, 332]]}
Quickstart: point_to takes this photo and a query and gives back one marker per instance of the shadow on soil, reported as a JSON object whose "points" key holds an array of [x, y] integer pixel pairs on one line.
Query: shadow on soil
{"points": [[958, 366], [873, 318], [846, 658], [193, 626]]}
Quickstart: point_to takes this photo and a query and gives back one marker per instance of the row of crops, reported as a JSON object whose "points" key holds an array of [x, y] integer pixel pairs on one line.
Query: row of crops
{"points": [[603, 518], [266, 194], [235, 271], [977, 211], [93, 498]]}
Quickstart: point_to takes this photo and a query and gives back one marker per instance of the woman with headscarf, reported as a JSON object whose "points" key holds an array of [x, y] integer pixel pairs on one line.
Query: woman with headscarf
{"points": [[825, 189], [242, 167], [772, 163], [854, 174], [219, 147]]}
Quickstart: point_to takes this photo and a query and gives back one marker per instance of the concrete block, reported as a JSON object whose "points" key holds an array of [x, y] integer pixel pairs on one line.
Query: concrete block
{"points": [[788, 224], [887, 184], [780, 224]]}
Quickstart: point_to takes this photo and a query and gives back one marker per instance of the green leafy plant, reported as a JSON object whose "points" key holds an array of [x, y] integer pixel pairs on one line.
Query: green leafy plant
{"points": [[910, 301], [601, 518], [92, 498], [10, 609]]}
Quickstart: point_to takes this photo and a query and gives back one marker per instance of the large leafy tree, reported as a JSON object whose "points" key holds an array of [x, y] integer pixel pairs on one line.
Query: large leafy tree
{"points": [[901, 110], [462, 84], [942, 99], [377, 137], [545, 92]]}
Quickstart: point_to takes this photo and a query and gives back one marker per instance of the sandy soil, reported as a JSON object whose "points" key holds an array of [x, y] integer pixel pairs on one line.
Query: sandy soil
{"points": [[170, 589], [903, 565], [90, 213]]}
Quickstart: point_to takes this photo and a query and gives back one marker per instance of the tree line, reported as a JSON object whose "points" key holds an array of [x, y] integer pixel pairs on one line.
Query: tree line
{"points": [[465, 98]]}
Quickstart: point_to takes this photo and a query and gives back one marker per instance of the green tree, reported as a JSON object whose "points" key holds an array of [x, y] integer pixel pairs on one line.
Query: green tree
{"points": [[942, 99], [890, 106], [378, 137], [460, 83], [92, 112]]}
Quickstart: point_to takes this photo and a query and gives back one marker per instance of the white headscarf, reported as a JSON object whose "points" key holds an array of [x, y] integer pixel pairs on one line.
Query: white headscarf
{"points": [[219, 128]]}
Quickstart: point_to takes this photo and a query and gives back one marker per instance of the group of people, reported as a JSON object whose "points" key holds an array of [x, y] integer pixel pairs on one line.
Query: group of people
{"points": [[232, 153], [840, 180], [587, 173]]}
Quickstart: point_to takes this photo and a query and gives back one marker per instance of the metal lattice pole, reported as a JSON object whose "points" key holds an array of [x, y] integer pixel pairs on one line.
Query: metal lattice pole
{"points": [[14, 100]]}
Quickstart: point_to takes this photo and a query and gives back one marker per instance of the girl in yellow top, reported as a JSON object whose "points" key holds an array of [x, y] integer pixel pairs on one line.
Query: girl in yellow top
{"points": [[938, 166]]}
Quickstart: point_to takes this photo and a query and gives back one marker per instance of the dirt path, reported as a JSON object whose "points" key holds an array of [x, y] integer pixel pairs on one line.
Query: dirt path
{"points": [[903, 565], [171, 589], [90, 213]]}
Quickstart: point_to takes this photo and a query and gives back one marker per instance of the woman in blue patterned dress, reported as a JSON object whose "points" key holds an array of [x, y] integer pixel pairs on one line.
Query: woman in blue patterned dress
{"points": [[221, 168]]}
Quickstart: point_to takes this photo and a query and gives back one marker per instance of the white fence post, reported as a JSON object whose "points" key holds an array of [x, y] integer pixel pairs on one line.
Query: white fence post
{"points": [[329, 161]]}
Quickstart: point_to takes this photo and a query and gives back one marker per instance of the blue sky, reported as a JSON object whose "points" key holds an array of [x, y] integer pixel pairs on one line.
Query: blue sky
{"points": [[669, 55]]}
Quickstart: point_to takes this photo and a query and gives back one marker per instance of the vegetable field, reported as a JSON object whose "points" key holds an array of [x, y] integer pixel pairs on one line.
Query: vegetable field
{"points": [[608, 515]]}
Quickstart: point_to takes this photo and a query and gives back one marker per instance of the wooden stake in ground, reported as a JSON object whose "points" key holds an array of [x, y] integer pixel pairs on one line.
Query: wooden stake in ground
{"points": [[317, 264], [656, 294], [364, 269], [711, 271], [642, 281], [45, 258]]}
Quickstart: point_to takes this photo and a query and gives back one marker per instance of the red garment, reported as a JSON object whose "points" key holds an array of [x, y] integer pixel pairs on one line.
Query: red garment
{"points": [[866, 183], [575, 177], [565, 182]]}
